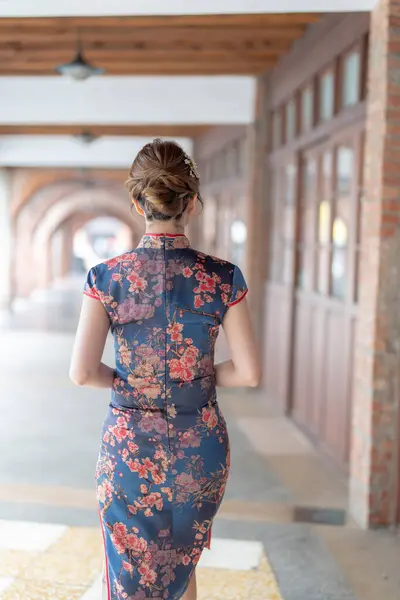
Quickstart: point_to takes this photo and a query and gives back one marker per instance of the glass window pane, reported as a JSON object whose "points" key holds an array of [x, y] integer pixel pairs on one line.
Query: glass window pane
{"points": [[351, 79], [338, 273], [324, 222], [309, 176], [323, 270], [326, 96], [290, 116], [344, 170], [307, 109], [304, 273]]}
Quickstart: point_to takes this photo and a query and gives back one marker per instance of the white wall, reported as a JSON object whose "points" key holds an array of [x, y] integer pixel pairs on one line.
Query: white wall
{"points": [[45, 8]]}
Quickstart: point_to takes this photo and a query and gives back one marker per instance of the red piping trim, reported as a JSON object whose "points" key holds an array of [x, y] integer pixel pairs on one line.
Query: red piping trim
{"points": [[106, 559], [171, 235], [91, 295], [239, 299]]}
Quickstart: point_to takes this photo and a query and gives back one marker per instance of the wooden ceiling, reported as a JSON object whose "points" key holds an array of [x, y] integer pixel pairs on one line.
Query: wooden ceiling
{"points": [[178, 45]]}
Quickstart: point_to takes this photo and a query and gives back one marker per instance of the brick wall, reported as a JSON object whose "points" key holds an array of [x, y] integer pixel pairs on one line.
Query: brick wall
{"points": [[375, 424]]}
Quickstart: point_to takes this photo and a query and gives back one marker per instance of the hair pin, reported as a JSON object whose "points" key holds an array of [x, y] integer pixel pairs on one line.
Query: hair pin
{"points": [[194, 171]]}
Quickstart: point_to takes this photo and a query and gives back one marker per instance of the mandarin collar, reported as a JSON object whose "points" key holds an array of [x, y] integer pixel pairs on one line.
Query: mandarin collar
{"points": [[171, 241]]}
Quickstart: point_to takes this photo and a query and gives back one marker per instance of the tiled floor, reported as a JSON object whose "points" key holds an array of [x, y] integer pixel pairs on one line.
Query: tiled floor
{"points": [[279, 535], [53, 562]]}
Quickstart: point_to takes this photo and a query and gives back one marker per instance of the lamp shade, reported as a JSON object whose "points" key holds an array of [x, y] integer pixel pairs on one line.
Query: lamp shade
{"points": [[79, 69]]}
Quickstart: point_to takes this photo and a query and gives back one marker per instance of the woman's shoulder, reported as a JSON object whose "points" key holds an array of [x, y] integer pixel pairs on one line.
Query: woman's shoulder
{"points": [[112, 263], [209, 260]]}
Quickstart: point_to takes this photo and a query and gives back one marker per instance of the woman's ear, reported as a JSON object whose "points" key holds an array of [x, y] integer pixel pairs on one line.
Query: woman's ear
{"points": [[138, 208], [193, 204]]}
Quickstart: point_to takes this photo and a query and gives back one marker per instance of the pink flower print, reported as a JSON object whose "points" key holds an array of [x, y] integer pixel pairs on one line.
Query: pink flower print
{"points": [[198, 302], [179, 371], [158, 302], [127, 566], [190, 356], [158, 289], [108, 488], [186, 481], [187, 272], [146, 424], [118, 537], [154, 266], [160, 425], [209, 417], [129, 310], [174, 330], [133, 447], [158, 476], [148, 576], [119, 432], [189, 439], [136, 467], [138, 284]]}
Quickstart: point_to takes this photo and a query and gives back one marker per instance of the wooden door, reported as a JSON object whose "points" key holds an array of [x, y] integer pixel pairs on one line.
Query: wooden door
{"points": [[326, 292]]}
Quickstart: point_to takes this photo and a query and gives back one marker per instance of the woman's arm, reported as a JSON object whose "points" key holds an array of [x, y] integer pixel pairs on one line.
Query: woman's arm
{"points": [[86, 366], [244, 369]]}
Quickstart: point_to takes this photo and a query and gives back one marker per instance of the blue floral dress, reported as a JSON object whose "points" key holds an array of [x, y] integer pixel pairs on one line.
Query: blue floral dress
{"points": [[164, 457]]}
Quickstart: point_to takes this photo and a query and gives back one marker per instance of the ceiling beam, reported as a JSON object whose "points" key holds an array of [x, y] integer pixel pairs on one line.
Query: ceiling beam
{"points": [[162, 68], [150, 130], [149, 36]]}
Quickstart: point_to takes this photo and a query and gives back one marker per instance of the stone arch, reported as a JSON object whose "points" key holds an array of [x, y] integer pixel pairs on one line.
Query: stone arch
{"points": [[58, 202]]}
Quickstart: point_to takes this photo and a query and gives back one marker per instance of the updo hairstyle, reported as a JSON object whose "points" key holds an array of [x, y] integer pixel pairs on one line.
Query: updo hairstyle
{"points": [[163, 179]]}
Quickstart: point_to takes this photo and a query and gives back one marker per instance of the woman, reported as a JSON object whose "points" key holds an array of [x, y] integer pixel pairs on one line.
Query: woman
{"points": [[164, 456]]}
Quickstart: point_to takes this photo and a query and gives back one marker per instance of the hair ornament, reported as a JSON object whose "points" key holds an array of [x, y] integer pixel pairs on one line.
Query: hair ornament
{"points": [[194, 171]]}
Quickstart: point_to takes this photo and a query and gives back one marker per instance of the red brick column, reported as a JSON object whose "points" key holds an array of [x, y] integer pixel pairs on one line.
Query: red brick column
{"points": [[376, 398]]}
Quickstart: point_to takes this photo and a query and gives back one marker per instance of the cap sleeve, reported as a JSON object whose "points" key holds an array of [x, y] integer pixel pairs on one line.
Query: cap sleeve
{"points": [[239, 287], [90, 288]]}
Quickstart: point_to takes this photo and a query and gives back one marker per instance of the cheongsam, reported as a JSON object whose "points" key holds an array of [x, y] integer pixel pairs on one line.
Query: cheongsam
{"points": [[164, 456]]}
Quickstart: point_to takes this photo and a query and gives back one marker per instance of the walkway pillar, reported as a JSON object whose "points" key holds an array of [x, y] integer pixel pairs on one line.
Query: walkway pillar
{"points": [[374, 481], [5, 240]]}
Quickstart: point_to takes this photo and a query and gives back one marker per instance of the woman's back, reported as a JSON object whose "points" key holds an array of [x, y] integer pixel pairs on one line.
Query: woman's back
{"points": [[165, 302]]}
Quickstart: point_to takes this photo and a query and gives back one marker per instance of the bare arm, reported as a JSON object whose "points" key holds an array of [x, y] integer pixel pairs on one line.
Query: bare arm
{"points": [[244, 369], [86, 366]]}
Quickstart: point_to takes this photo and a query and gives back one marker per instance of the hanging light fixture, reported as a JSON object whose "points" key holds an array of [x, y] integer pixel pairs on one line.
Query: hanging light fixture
{"points": [[79, 69], [86, 137]]}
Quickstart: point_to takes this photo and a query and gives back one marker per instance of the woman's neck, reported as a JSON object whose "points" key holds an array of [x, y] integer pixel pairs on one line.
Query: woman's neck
{"points": [[170, 227]]}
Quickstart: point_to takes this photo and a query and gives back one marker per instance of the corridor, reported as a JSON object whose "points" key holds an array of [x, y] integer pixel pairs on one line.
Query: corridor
{"points": [[282, 533]]}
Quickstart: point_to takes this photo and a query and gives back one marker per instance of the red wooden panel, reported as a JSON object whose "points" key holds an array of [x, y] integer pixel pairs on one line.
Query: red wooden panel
{"points": [[335, 411], [317, 369], [301, 363]]}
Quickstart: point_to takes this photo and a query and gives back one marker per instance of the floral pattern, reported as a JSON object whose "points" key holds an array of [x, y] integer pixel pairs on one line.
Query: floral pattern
{"points": [[164, 457]]}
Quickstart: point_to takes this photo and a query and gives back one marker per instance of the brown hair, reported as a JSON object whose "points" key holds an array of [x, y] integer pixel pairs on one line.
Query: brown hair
{"points": [[163, 179]]}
